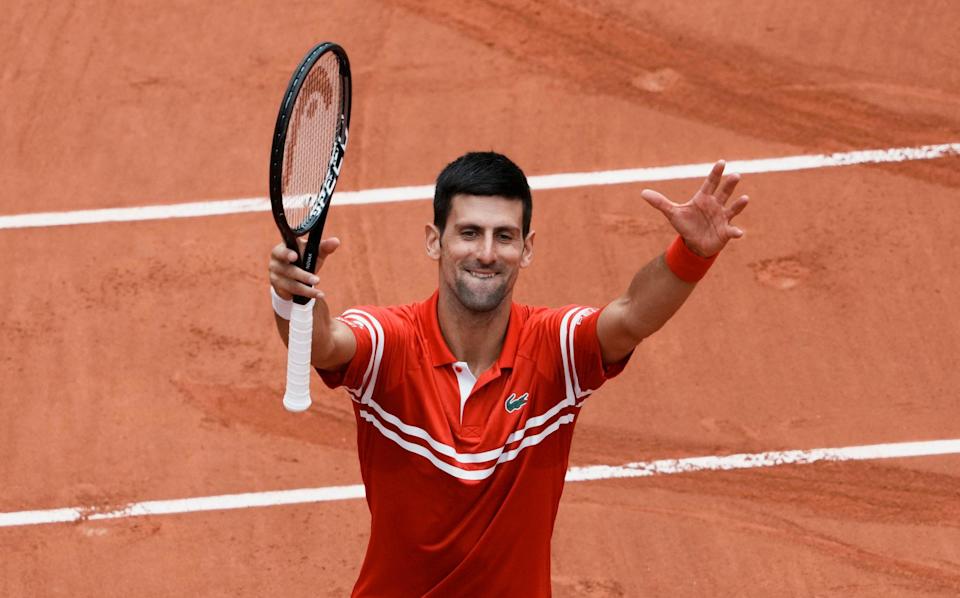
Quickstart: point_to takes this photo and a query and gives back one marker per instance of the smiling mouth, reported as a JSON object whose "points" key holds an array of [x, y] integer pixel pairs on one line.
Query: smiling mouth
{"points": [[481, 275]]}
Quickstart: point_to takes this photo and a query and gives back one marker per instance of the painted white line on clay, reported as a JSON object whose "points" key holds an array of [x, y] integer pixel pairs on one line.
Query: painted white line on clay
{"points": [[768, 459], [185, 505], [574, 474], [549, 181]]}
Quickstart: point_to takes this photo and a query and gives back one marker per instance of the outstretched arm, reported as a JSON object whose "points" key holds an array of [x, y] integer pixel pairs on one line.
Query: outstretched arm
{"points": [[656, 291], [333, 343]]}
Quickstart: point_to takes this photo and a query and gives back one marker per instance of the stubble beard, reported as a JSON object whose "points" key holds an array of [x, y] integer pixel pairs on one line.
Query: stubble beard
{"points": [[481, 301]]}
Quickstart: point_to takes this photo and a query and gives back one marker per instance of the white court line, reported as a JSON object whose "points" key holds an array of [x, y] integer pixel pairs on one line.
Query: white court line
{"points": [[574, 474], [549, 181]]}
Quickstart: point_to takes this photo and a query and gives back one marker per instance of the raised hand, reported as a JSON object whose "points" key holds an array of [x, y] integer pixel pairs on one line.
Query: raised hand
{"points": [[288, 280], [704, 221]]}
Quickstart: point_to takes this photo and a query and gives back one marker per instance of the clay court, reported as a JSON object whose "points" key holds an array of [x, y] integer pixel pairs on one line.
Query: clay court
{"points": [[139, 360]]}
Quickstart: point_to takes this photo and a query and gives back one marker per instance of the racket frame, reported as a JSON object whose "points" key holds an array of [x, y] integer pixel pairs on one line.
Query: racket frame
{"points": [[297, 395], [313, 224]]}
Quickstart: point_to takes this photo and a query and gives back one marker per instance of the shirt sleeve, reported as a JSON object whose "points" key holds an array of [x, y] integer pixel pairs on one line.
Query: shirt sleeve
{"points": [[376, 330], [582, 359]]}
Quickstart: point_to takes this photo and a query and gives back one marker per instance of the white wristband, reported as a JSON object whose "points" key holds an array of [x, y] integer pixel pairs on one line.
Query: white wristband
{"points": [[282, 307]]}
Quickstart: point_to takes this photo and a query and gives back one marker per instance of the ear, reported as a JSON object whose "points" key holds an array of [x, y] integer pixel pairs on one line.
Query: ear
{"points": [[432, 239], [527, 255]]}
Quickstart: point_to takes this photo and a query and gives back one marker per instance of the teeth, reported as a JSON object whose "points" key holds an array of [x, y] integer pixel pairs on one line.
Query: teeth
{"points": [[478, 275]]}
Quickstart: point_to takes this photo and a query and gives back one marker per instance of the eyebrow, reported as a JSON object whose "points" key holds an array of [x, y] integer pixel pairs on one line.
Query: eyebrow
{"points": [[463, 225]]}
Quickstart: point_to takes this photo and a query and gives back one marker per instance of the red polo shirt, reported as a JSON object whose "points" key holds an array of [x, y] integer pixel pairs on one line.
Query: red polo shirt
{"points": [[463, 477]]}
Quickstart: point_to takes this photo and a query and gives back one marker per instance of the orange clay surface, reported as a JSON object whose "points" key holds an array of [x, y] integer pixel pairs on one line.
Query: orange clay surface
{"points": [[139, 361]]}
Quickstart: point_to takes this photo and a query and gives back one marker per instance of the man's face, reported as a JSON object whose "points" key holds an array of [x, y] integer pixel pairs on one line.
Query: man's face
{"points": [[481, 250]]}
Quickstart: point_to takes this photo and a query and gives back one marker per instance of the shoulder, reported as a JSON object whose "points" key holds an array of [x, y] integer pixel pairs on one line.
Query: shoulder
{"points": [[552, 328], [556, 330], [567, 337], [384, 339], [556, 318], [380, 319]]}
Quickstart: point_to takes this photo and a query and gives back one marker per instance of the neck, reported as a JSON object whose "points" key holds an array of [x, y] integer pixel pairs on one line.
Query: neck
{"points": [[473, 337]]}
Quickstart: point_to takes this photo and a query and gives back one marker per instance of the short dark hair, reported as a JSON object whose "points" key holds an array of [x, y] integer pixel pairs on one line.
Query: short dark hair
{"points": [[481, 173]]}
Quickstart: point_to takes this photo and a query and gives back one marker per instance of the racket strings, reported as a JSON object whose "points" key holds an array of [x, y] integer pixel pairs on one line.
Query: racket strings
{"points": [[310, 141]]}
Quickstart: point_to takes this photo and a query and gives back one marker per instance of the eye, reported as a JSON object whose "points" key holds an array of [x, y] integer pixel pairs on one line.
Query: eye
{"points": [[468, 233], [506, 237]]}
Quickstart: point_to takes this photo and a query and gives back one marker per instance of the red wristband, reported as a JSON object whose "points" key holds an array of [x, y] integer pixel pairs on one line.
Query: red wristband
{"points": [[687, 265]]}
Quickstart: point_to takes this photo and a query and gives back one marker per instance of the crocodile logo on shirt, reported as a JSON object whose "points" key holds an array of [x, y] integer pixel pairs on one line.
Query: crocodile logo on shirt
{"points": [[514, 403]]}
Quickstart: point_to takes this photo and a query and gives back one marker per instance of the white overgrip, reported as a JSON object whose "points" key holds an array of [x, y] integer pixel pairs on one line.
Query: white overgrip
{"points": [[299, 340]]}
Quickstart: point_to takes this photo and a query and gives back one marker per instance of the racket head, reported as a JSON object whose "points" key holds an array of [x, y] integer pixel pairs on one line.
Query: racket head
{"points": [[309, 142]]}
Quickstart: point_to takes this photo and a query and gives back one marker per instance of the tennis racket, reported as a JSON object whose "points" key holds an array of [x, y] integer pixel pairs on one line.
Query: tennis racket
{"points": [[309, 142]]}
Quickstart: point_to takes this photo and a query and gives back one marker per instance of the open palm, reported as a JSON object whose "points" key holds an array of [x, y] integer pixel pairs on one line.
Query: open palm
{"points": [[704, 221]]}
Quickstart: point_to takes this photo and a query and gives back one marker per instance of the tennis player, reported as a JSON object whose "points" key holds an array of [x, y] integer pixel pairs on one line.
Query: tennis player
{"points": [[466, 402]]}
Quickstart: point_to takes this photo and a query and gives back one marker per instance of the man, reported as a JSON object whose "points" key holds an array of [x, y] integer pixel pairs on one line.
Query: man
{"points": [[466, 402]]}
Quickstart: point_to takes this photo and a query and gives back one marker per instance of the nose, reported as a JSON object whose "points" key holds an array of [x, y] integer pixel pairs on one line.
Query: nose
{"points": [[486, 254]]}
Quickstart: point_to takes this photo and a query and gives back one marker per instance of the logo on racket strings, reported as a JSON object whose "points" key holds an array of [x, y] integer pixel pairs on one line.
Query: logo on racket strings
{"points": [[333, 173]]}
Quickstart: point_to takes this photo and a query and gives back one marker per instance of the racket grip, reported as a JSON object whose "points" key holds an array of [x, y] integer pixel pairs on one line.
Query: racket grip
{"points": [[299, 341]]}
